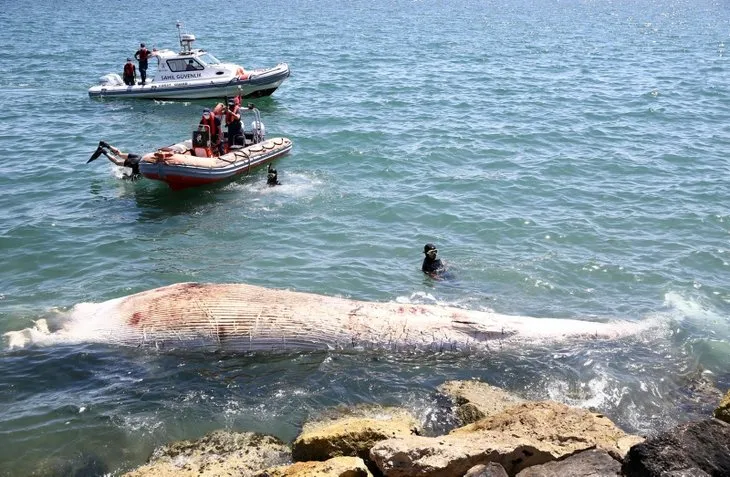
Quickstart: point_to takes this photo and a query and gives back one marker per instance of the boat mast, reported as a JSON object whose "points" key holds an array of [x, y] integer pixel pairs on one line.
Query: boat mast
{"points": [[178, 24]]}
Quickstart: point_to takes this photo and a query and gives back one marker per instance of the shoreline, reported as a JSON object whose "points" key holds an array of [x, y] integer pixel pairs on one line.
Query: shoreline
{"points": [[498, 433]]}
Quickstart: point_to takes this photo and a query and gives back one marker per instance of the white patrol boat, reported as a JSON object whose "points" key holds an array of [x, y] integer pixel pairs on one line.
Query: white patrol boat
{"points": [[193, 74]]}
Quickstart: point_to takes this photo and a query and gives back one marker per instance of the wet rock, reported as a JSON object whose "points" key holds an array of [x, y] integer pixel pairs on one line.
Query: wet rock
{"points": [[692, 449], [486, 470], [723, 411], [562, 430], [352, 432], [452, 455], [477, 400], [590, 463], [521, 436], [335, 467], [215, 454]]}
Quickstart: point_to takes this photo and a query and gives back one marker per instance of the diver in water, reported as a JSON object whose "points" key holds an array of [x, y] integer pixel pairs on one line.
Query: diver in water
{"points": [[124, 159], [272, 177], [433, 266]]}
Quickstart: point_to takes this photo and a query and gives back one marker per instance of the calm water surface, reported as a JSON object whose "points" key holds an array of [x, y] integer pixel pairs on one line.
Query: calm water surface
{"points": [[569, 159]]}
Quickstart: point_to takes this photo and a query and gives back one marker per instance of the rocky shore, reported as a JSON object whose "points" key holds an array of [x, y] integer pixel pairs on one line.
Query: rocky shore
{"points": [[500, 435]]}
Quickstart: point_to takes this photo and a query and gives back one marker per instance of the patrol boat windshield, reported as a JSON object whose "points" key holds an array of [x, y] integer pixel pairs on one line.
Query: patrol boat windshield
{"points": [[208, 59]]}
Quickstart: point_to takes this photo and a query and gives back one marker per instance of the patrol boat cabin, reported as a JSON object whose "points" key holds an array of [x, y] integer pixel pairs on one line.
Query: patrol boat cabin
{"points": [[193, 73]]}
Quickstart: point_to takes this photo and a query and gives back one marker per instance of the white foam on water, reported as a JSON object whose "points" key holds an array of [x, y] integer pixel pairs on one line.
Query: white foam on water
{"points": [[292, 184], [681, 307]]}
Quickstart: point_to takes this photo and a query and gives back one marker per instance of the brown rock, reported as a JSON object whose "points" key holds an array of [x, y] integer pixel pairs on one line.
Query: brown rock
{"points": [[453, 455], [352, 433], [590, 463], [562, 430], [335, 467], [477, 400], [527, 434], [723, 411], [215, 454]]}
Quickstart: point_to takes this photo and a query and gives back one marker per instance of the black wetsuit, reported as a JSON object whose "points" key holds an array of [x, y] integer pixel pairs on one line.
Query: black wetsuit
{"points": [[432, 266], [272, 178], [132, 161]]}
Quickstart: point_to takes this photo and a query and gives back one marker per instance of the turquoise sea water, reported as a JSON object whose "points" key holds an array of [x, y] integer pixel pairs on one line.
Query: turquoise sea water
{"points": [[569, 159]]}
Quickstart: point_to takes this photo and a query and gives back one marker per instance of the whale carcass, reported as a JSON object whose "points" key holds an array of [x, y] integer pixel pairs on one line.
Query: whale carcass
{"points": [[244, 318]]}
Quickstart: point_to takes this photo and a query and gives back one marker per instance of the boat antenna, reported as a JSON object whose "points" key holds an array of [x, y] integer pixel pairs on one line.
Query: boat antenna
{"points": [[178, 24]]}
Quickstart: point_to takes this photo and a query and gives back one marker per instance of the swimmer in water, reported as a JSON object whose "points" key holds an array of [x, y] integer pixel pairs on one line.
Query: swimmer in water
{"points": [[119, 158], [272, 177], [432, 266]]}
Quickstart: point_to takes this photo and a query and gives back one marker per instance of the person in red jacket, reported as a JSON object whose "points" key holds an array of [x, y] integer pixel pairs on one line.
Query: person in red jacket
{"points": [[130, 73], [142, 56]]}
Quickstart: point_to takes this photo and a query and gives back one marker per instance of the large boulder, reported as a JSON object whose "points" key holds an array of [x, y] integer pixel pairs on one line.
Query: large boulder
{"points": [[335, 467], [352, 432], [215, 454], [453, 455], [590, 463], [723, 411], [527, 434], [477, 400], [561, 429], [691, 449]]}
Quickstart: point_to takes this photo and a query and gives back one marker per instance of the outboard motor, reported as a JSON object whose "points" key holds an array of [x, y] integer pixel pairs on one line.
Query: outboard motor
{"points": [[201, 142], [257, 133]]}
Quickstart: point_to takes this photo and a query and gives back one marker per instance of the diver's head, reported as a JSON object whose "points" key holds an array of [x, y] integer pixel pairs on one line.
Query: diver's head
{"points": [[430, 250]]}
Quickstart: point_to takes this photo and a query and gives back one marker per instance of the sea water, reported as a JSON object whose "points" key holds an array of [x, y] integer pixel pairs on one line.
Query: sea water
{"points": [[568, 158]]}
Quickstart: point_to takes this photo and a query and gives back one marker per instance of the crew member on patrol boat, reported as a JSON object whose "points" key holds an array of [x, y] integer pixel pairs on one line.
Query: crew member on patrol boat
{"points": [[142, 56], [130, 73], [233, 122], [213, 122]]}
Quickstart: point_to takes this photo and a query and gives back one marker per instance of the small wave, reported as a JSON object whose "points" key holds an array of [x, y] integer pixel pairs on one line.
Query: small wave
{"points": [[681, 307]]}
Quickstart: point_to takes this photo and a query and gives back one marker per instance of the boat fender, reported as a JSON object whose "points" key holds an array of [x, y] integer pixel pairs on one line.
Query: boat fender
{"points": [[241, 74]]}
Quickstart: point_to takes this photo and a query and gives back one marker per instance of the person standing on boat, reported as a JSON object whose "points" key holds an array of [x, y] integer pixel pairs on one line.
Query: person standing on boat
{"points": [[432, 266], [142, 56], [233, 122], [122, 159], [213, 122], [130, 73]]}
